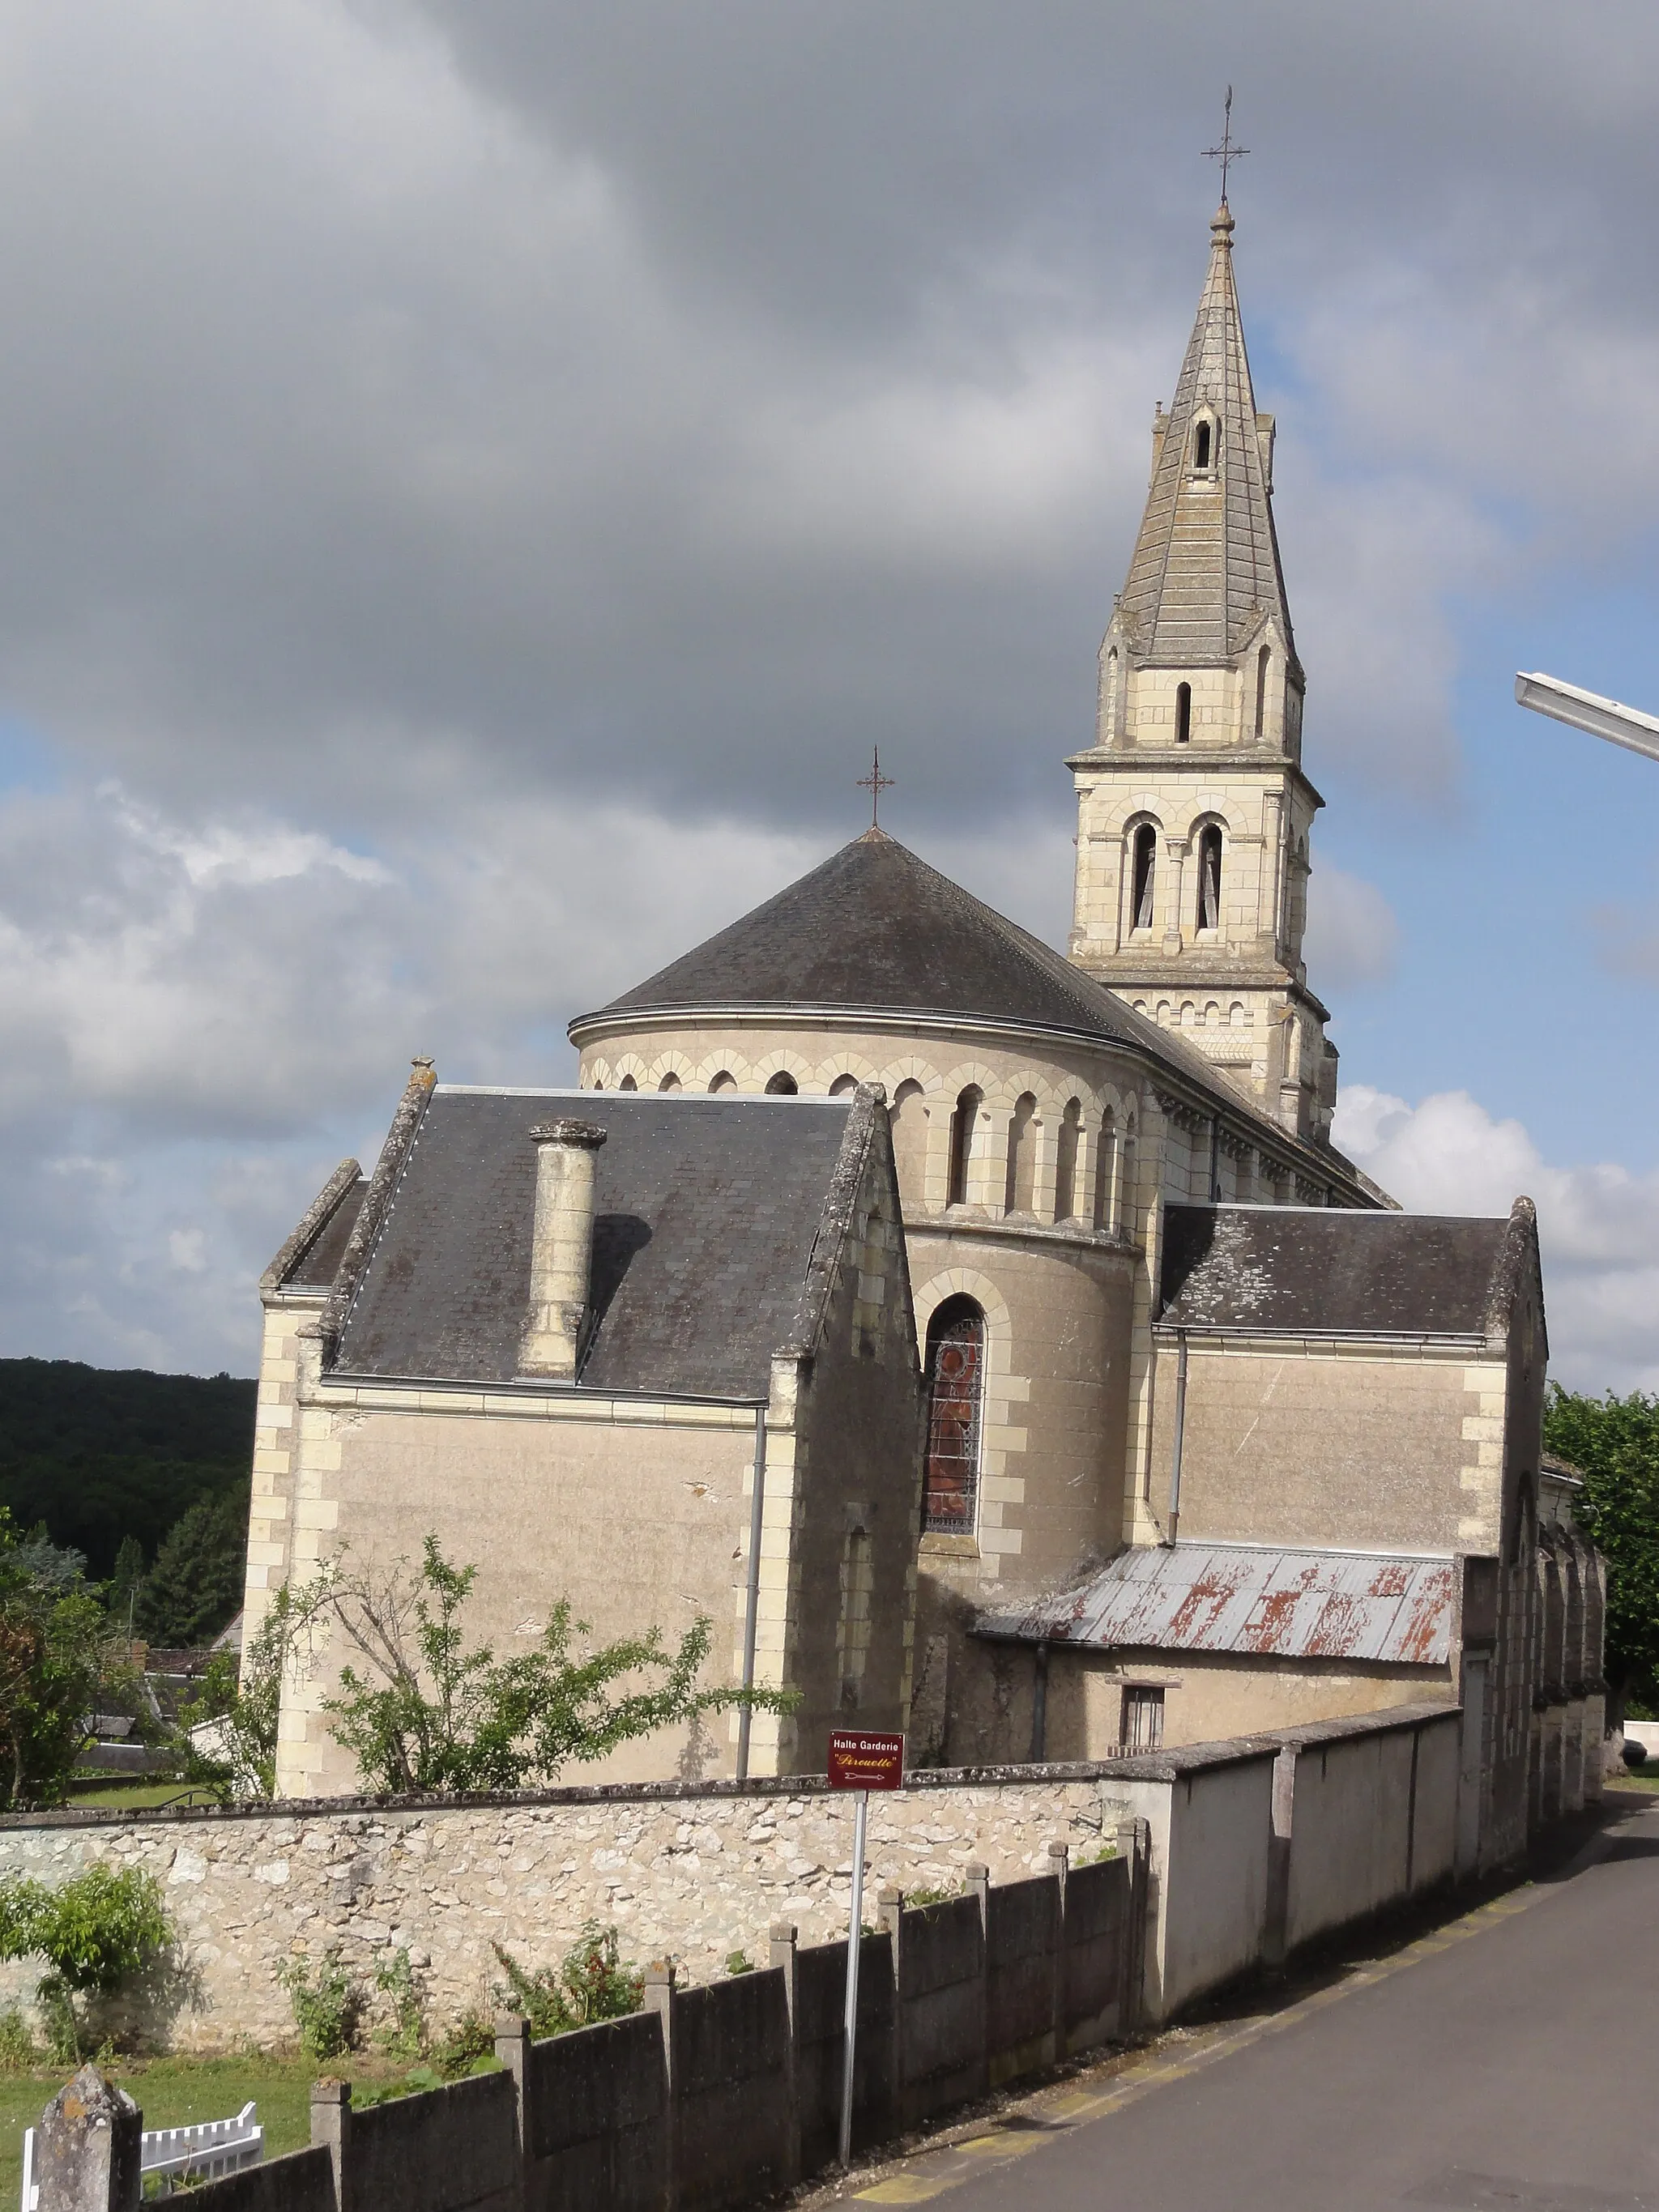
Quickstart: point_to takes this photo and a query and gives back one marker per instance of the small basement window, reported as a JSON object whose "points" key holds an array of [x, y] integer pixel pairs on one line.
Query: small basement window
{"points": [[1143, 1719]]}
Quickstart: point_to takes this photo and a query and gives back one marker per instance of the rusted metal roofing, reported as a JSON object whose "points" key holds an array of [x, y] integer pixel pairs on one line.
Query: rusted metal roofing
{"points": [[1250, 1599]]}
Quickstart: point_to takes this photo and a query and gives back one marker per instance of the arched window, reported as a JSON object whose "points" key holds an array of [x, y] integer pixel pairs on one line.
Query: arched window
{"points": [[956, 1394], [1202, 438], [724, 1081], [1019, 1188], [1145, 863], [961, 1144], [1209, 880], [1261, 661], [909, 1118], [1126, 1211], [628, 1084], [670, 1082], [1106, 1174], [1066, 1161], [1183, 713], [782, 1085], [842, 1084]]}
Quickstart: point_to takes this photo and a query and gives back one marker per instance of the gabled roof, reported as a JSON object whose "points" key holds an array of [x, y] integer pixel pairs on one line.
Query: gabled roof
{"points": [[713, 1218], [1259, 1601], [1324, 1271], [1205, 572]]}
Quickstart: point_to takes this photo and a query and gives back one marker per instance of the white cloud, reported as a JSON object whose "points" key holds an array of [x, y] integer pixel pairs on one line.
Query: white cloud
{"points": [[1598, 1225], [1353, 936]]}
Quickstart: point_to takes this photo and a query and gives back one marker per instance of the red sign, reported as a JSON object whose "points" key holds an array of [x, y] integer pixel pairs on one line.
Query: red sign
{"points": [[861, 1760]]}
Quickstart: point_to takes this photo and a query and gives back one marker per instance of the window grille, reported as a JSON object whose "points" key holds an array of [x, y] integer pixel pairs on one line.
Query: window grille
{"points": [[1143, 1720]]}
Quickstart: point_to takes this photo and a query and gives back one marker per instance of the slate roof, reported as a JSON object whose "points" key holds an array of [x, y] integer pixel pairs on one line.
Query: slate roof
{"points": [[707, 1213], [1327, 1271], [1251, 1599], [321, 1263], [1206, 569]]}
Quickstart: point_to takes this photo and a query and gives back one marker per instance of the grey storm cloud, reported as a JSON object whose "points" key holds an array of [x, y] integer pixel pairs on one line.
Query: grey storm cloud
{"points": [[476, 479]]}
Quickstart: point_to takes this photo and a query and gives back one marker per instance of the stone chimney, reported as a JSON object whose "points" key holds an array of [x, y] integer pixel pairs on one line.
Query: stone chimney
{"points": [[562, 1251]]}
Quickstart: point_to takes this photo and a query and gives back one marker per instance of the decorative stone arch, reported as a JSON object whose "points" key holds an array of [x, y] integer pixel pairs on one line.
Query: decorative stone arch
{"points": [[782, 1062], [1142, 872], [593, 1075], [673, 1062], [1209, 840], [854, 1064], [927, 1297], [718, 1063], [631, 1063]]}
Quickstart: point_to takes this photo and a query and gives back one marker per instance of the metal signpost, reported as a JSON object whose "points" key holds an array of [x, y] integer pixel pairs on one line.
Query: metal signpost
{"points": [[860, 1761]]}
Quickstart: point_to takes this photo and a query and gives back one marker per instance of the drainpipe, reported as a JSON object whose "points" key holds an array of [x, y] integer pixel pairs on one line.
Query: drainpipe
{"points": [[1039, 1706], [1180, 1432], [751, 1600]]}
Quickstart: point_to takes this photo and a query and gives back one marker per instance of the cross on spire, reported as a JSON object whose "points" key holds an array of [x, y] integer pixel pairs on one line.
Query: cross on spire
{"points": [[875, 783], [1226, 152]]}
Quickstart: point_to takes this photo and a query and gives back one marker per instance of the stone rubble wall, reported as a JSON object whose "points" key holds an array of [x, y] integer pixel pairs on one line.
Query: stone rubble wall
{"points": [[687, 1873]]}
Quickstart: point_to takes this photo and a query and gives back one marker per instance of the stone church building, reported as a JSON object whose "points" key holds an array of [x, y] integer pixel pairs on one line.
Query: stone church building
{"points": [[1206, 1436]]}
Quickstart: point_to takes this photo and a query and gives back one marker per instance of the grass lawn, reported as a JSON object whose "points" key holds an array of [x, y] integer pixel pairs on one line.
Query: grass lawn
{"points": [[176, 2093], [125, 1796]]}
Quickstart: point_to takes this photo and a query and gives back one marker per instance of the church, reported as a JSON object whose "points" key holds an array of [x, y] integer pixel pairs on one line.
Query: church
{"points": [[1095, 1401]]}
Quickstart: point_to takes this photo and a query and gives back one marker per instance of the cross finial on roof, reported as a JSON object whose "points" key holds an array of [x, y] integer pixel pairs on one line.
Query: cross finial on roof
{"points": [[875, 783], [1226, 152]]}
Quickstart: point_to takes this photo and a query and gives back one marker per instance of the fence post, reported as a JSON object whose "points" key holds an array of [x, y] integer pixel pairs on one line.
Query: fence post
{"points": [[1275, 1936], [1060, 1859], [660, 1999], [331, 2129], [976, 1880], [784, 1955], [513, 2049], [88, 2148]]}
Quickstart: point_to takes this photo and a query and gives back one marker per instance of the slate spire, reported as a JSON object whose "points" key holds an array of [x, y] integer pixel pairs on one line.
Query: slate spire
{"points": [[1206, 574]]}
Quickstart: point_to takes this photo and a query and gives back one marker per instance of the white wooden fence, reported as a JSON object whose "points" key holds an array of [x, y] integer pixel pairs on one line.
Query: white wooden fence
{"points": [[175, 2157]]}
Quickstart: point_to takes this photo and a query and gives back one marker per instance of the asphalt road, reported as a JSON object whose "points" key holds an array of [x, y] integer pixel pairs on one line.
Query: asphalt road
{"points": [[1508, 2063]]}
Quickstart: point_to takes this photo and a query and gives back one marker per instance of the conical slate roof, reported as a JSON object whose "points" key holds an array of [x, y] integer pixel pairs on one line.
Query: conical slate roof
{"points": [[876, 930], [1206, 568]]}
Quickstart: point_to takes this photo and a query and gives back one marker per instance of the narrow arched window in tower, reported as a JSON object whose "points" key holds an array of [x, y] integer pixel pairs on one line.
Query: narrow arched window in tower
{"points": [[782, 1084], [724, 1081], [1201, 437], [1146, 861], [961, 1144], [670, 1082], [1019, 1188], [1106, 1174], [1125, 1212], [1066, 1161], [1261, 661], [628, 1084], [1209, 878], [956, 1392], [1183, 713], [843, 1086], [909, 1118]]}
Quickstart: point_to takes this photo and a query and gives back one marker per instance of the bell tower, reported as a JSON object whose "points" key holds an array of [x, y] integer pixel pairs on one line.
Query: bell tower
{"points": [[1192, 810]]}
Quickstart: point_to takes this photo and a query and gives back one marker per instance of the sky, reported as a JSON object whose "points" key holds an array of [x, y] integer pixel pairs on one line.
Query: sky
{"points": [[477, 477]]}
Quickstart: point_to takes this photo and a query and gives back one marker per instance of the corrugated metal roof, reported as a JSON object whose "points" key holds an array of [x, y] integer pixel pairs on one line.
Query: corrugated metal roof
{"points": [[1242, 1598]]}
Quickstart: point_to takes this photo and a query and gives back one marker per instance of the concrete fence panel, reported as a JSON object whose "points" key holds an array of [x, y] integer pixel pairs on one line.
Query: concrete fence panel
{"points": [[939, 1950], [732, 2073], [820, 2037], [1097, 1963], [301, 2181], [1022, 1976], [597, 2128], [1434, 1833], [1209, 1880], [453, 2149]]}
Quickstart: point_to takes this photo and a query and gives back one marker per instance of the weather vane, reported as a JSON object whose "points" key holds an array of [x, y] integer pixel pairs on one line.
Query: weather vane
{"points": [[1226, 152], [875, 783]]}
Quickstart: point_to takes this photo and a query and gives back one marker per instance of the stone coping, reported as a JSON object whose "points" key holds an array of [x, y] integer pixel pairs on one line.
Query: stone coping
{"points": [[1150, 1767]]}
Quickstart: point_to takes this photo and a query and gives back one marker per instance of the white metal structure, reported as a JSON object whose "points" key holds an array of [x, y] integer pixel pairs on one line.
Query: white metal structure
{"points": [[1588, 710], [178, 2155]]}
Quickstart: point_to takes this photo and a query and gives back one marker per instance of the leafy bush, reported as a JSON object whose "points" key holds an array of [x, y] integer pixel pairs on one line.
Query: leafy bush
{"points": [[405, 2037], [95, 1933], [18, 2054], [461, 2046], [327, 2003], [739, 1962], [589, 1984], [918, 1900]]}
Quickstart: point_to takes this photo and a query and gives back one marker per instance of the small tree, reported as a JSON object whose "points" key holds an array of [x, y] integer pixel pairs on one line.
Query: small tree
{"points": [[420, 1713], [195, 1585], [1614, 1443], [57, 1655], [95, 1933], [226, 1736]]}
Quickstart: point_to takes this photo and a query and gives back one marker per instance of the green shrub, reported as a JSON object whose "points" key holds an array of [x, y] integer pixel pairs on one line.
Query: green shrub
{"points": [[590, 1983], [327, 2004], [918, 1900], [95, 1933], [405, 2037], [18, 2054], [739, 1962], [462, 2047], [1095, 1857]]}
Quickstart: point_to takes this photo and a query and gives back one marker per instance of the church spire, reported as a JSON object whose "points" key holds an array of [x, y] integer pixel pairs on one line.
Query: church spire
{"points": [[1205, 576]]}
